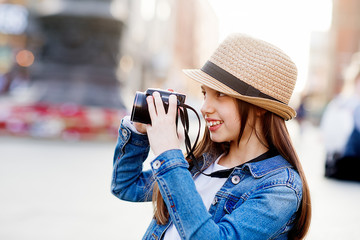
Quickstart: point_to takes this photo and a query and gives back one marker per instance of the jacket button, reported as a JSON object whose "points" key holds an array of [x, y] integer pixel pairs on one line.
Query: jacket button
{"points": [[124, 132], [156, 164], [235, 179]]}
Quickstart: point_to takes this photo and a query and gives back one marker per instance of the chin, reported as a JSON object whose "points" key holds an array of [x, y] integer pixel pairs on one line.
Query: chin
{"points": [[217, 139], [221, 139]]}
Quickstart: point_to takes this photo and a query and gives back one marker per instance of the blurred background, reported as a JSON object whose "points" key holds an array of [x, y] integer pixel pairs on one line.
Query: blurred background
{"points": [[69, 70]]}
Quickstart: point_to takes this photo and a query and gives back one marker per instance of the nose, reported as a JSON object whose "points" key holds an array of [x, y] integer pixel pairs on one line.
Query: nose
{"points": [[207, 107]]}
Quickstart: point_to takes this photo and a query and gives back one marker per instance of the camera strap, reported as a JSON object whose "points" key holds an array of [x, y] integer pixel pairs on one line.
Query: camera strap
{"points": [[184, 117]]}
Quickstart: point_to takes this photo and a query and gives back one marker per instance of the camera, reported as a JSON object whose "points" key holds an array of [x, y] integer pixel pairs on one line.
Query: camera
{"points": [[140, 111]]}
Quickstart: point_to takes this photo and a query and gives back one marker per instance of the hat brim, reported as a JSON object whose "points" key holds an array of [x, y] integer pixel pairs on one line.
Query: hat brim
{"points": [[281, 109]]}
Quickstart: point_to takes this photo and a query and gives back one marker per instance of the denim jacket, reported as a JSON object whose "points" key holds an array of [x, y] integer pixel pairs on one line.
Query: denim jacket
{"points": [[259, 200]]}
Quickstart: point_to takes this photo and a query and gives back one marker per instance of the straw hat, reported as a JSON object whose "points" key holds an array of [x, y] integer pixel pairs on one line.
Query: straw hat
{"points": [[251, 70]]}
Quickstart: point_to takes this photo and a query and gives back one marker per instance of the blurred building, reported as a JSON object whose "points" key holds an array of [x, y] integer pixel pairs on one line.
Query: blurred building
{"points": [[162, 37], [86, 58], [70, 48], [345, 40], [13, 24], [90, 52], [331, 52], [79, 52], [317, 91]]}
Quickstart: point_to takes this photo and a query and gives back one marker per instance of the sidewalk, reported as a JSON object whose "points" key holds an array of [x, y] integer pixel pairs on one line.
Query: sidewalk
{"points": [[61, 190]]}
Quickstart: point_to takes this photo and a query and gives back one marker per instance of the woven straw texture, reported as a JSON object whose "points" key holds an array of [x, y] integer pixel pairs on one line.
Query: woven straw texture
{"points": [[259, 64]]}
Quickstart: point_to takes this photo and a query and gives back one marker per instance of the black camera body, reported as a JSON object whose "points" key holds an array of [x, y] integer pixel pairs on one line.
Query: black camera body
{"points": [[140, 111]]}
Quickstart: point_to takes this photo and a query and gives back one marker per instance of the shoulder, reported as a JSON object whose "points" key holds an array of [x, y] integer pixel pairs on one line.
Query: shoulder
{"points": [[269, 188], [277, 173]]}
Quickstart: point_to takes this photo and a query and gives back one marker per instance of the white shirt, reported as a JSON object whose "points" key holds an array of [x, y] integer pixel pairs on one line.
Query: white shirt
{"points": [[207, 187]]}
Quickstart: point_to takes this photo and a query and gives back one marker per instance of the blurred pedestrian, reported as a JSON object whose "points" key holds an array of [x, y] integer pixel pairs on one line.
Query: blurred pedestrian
{"points": [[5, 82], [17, 77], [245, 180], [340, 125], [301, 113], [20, 78]]}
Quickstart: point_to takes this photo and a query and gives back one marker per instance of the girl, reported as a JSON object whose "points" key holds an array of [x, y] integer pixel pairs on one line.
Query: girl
{"points": [[251, 184]]}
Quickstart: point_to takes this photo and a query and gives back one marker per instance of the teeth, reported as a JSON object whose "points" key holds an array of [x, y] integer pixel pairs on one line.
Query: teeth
{"points": [[213, 123]]}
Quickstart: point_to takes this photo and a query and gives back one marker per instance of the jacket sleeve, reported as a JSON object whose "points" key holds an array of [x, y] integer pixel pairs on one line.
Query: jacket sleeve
{"points": [[129, 181], [255, 218]]}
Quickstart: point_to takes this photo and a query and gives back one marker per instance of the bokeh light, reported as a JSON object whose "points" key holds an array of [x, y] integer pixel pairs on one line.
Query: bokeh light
{"points": [[25, 58]]}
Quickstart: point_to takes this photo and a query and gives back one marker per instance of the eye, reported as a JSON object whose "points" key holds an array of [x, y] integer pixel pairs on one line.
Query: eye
{"points": [[203, 92], [220, 94]]}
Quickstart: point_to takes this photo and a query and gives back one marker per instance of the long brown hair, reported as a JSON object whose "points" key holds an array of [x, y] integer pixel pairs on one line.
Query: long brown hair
{"points": [[274, 135]]}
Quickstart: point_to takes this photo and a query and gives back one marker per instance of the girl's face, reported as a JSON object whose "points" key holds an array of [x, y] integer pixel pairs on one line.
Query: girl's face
{"points": [[221, 115]]}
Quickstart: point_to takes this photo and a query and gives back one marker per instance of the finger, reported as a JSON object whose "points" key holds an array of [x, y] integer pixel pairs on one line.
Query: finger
{"points": [[151, 107], [148, 127], [140, 127], [172, 105], [159, 104]]}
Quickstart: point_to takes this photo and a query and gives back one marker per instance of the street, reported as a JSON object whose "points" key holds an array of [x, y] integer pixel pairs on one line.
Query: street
{"points": [[53, 189], [61, 190]]}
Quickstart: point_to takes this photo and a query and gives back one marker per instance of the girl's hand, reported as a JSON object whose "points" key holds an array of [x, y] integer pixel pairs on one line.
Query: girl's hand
{"points": [[162, 131]]}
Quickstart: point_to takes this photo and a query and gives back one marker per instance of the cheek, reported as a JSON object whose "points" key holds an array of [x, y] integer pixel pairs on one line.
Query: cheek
{"points": [[234, 126], [233, 121]]}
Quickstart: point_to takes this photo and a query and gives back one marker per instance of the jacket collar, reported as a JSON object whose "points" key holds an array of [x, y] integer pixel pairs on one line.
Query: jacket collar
{"points": [[257, 169], [261, 168]]}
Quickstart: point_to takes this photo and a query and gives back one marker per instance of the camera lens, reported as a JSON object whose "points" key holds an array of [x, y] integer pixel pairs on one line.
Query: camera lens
{"points": [[140, 111]]}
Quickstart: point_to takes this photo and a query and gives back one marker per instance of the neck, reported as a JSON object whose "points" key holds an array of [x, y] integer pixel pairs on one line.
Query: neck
{"points": [[241, 152]]}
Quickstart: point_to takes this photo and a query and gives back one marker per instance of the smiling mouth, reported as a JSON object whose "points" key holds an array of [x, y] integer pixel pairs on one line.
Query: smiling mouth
{"points": [[213, 123]]}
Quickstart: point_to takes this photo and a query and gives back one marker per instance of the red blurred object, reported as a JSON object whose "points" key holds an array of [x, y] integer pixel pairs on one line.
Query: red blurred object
{"points": [[67, 121]]}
